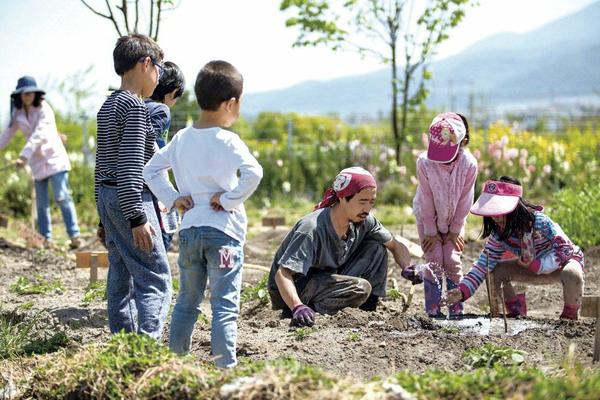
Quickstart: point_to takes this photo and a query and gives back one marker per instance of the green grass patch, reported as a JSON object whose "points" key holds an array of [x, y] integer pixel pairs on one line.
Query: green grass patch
{"points": [[20, 335], [95, 291], [133, 366], [302, 333], [354, 337], [36, 285]]}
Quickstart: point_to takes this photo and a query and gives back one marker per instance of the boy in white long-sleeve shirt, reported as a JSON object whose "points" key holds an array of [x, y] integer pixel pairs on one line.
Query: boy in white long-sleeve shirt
{"points": [[205, 159]]}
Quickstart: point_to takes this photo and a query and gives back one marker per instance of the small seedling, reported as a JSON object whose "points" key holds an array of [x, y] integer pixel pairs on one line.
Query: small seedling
{"points": [[95, 291], [451, 330], [354, 336], [489, 355], [257, 292], [37, 285], [395, 294], [302, 333]]}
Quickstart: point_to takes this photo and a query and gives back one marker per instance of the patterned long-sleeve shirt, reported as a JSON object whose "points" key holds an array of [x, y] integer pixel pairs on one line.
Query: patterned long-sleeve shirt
{"points": [[125, 143], [545, 249]]}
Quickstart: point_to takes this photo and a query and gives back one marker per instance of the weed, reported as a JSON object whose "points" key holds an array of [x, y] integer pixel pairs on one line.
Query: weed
{"points": [[37, 285], [95, 291], [489, 355], [257, 292], [395, 294], [175, 285], [303, 333], [28, 305], [354, 336], [18, 336], [451, 330]]}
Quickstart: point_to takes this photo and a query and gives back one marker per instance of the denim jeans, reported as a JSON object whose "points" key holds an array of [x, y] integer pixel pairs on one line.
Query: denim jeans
{"points": [[62, 197], [139, 283], [207, 253]]}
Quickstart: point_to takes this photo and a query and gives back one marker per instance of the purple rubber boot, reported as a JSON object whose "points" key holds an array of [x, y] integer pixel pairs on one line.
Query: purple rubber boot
{"points": [[433, 295], [455, 309], [517, 306]]}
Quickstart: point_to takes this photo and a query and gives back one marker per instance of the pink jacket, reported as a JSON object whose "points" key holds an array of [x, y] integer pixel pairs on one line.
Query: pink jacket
{"points": [[44, 149], [444, 193]]}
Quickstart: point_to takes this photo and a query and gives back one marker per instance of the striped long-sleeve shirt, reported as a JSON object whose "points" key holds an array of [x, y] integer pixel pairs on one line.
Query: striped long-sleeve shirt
{"points": [[125, 143], [545, 249]]}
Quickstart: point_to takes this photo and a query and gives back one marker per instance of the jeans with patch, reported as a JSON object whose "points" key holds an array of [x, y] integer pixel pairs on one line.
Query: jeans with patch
{"points": [[62, 197], [138, 283], [207, 253]]}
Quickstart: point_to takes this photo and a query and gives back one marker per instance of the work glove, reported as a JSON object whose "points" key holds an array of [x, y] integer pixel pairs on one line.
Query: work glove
{"points": [[303, 315], [410, 274]]}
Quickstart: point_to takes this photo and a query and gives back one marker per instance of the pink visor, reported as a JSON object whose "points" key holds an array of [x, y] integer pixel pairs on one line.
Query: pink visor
{"points": [[497, 198]]}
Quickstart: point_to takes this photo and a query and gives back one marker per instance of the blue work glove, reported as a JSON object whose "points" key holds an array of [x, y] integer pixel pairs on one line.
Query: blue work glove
{"points": [[410, 274], [303, 315]]}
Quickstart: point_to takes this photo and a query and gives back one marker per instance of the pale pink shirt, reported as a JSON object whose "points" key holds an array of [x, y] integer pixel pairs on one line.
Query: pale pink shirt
{"points": [[444, 193], [44, 149]]}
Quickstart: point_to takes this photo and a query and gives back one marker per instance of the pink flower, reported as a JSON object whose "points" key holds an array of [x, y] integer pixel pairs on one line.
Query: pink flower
{"points": [[509, 154], [477, 154]]}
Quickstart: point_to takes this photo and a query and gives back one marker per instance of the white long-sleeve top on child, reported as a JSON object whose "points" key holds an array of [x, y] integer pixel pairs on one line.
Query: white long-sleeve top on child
{"points": [[444, 193], [205, 162]]}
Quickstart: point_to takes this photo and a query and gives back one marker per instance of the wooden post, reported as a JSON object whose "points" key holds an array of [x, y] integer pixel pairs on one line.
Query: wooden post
{"points": [[94, 268], [590, 307], [92, 260]]}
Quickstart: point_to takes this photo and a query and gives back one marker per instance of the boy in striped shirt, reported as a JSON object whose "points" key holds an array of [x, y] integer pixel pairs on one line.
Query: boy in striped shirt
{"points": [[139, 277]]}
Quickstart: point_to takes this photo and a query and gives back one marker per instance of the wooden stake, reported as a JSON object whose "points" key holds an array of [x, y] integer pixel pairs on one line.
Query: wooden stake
{"points": [[503, 307], [488, 282]]}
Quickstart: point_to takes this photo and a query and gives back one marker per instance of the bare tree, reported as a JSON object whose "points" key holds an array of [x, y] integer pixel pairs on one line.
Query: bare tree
{"points": [[402, 33], [125, 15]]}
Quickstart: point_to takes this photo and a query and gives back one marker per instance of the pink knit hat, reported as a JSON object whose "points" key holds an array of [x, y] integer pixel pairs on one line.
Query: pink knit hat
{"points": [[497, 198], [446, 132]]}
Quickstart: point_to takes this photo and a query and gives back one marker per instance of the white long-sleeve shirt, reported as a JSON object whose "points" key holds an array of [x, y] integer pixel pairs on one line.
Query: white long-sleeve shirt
{"points": [[205, 162]]}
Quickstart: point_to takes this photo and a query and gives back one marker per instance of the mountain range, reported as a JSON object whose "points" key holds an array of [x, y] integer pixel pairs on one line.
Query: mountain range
{"points": [[559, 60]]}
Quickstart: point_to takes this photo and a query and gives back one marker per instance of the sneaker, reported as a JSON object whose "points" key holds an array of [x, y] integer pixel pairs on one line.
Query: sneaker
{"points": [[75, 243]]}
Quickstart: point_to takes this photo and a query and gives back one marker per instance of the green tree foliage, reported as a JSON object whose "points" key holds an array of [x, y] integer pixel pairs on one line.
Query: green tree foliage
{"points": [[398, 32]]}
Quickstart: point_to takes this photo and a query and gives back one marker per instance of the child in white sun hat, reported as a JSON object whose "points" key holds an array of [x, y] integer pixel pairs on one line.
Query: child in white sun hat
{"points": [[544, 253], [446, 175]]}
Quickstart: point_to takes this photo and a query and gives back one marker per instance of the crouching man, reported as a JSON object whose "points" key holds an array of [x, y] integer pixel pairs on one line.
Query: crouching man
{"points": [[335, 257]]}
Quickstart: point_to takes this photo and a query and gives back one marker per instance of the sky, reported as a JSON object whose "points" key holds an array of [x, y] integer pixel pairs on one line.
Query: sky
{"points": [[54, 39]]}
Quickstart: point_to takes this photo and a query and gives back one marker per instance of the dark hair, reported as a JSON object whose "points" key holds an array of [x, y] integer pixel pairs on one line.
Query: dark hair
{"points": [[217, 81], [131, 48], [171, 79], [18, 103], [519, 221], [464, 120]]}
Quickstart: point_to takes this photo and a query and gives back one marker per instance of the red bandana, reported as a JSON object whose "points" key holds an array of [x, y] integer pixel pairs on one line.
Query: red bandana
{"points": [[347, 183]]}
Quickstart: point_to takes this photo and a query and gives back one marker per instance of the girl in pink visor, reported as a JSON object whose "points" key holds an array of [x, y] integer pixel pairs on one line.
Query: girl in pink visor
{"points": [[544, 253], [446, 175]]}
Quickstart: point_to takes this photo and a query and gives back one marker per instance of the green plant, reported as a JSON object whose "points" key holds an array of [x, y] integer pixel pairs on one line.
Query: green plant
{"points": [[175, 284], [302, 333], [95, 291], [36, 285], [395, 294], [257, 292], [576, 211], [489, 355], [451, 330], [19, 335], [354, 336]]}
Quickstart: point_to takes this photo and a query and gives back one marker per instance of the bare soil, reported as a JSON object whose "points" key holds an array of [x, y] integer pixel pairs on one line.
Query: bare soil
{"points": [[353, 342]]}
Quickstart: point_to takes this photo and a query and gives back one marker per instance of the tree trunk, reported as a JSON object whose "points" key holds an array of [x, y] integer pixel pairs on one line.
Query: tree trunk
{"points": [[405, 94], [397, 139]]}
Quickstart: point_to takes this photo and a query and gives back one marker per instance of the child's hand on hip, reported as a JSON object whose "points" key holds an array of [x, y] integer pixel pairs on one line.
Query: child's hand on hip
{"points": [[142, 237], [215, 202], [429, 241], [184, 203], [457, 239]]}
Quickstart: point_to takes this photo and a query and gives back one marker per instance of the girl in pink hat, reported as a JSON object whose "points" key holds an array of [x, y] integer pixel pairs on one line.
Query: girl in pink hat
{"points": [[446, 176], [544, 253]]}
